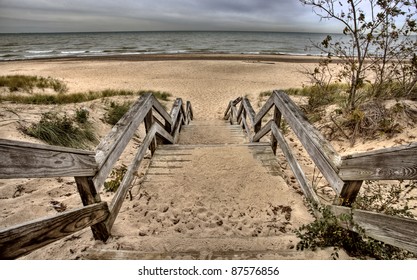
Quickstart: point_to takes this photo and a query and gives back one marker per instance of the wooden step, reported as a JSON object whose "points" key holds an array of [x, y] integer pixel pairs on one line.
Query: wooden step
{"points": [[211, 132], [211, 196], [134, 247], [169, 159]]}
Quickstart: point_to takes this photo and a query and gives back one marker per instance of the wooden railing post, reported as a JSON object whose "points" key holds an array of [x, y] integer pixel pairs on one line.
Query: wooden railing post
{"points": [[277, 121], [148, 124], [243, 119], [89, 196], [349, 193]]}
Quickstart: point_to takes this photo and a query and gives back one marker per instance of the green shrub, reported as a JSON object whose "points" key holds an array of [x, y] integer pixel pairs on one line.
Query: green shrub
{"points": [[117, 174], [389, 199], [327, 232], [116, 111], [60, 130], [81, 115]]}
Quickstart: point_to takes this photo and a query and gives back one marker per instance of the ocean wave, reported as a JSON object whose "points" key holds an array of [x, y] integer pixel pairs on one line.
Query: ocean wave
{"points": [[74, 52], [27, 46], [40, 51]]}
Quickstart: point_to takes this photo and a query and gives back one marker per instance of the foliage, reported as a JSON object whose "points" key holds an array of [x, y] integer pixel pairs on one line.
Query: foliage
{"points": [[391, 199], [46, 99], [117, 174], [81, 115], [371, 120], [116, 111], [327, 232], [62, 130], [28, 83], [368, 120], [377, 41]]}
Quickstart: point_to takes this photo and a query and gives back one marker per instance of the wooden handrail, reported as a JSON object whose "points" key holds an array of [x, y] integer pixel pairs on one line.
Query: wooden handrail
{"points": [[90, 169], [27, 160], [319, 149], [25, 238], [344, 174], [397, 231], [396, 163], [113, 145], [120, 195]]}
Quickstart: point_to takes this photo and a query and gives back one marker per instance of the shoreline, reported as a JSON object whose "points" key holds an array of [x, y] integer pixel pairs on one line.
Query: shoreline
{"points": [[172, 57]]}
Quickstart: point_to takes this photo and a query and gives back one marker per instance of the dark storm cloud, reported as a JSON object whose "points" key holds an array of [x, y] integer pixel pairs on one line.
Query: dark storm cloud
{"points": [[126, 15]]}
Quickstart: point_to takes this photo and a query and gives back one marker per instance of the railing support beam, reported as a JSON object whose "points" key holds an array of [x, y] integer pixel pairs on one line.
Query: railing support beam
{"points": [[277, 121], [348, 193], [89, 196], [148, 124]]}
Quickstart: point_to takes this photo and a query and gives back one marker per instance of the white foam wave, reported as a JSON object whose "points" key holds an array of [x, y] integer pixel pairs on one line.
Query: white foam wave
{"points": [[40, 52]]}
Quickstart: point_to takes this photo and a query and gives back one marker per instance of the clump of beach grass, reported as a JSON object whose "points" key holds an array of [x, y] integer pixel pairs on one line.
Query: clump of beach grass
{"points": [[60, 99], [28, 83], [61, 130], [115, 112]]}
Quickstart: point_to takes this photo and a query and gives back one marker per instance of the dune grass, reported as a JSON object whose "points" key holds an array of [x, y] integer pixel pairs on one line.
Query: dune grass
{"points": [[62, 130], [28, 83], [116, 111], [60, 99]]}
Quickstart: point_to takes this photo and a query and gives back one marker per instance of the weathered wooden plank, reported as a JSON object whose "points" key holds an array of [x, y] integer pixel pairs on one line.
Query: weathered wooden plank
{"points": [[319, 149], [240, 114], [27, 160], [246, 127], [190, 112], [396, 231], [277, 120], [161, 110], [112, 146], [249, 110], [234, 117], [236, 101], [227, 112], [120, 195], [89, 196], [396, 163], [175, 114], [14, 143], [164, 134], [264, 110], [149, 120], [167, 127], [176, 133], [348, 193], [183, 114], [25, 238], [296, 168], [263, 131]]}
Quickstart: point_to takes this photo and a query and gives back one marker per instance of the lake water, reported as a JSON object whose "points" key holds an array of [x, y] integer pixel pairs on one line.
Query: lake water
{"points": [[48, 45]]}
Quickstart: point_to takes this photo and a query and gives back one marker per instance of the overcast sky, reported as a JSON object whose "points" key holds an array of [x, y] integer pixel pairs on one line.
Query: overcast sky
{"points": [[152, 15]]}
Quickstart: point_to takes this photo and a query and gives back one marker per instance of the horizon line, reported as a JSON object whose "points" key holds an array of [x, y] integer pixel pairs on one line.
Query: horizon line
{"points": [[162, 31]]}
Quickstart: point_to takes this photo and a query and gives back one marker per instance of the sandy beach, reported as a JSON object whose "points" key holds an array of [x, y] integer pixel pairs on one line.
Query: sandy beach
{"points": [[208, 81]]}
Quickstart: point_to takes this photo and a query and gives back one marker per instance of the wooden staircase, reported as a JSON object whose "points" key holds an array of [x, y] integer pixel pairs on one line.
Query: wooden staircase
{"points": [[230, 201], [209, 192]]}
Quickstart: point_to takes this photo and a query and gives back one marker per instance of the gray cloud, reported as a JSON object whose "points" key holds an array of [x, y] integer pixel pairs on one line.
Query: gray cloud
{"points": [[143, 15]]}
